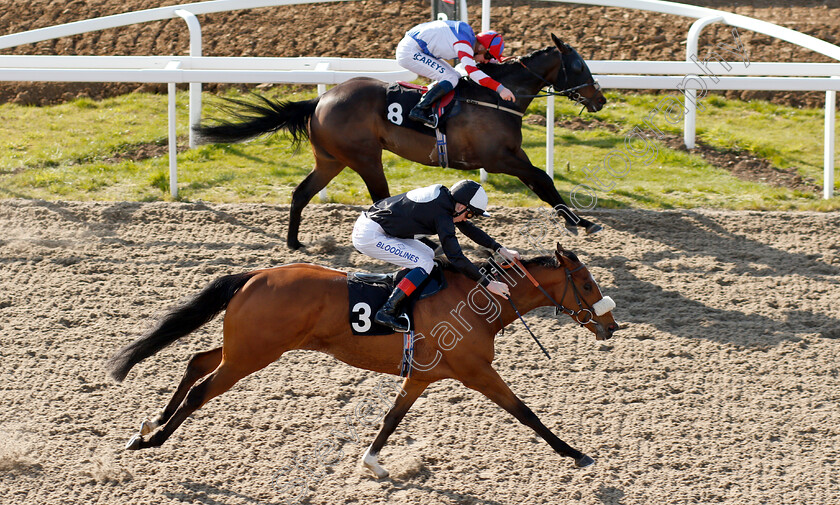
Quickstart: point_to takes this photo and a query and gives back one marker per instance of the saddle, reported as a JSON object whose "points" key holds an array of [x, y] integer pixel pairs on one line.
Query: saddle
{"points": [[368, 292], [401, 97]]}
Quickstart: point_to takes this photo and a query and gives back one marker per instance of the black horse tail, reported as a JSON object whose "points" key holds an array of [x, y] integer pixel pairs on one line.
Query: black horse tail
{"points": [[178, 322], [252, 118]]}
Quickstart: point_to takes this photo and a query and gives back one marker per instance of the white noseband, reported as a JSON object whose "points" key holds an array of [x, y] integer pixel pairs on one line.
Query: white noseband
{"points": [[603, 306]]}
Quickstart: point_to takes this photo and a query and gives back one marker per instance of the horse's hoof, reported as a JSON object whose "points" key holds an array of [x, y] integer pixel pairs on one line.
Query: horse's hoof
{"points": [[134, 443], [371, 462], [571, 229], [377, 470], [294, 244], [584, 461], [593, 229], [148, 426]]}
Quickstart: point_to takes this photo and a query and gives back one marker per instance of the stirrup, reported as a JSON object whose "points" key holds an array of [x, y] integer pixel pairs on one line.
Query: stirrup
{"points": [[430, 120], [392, 321]]}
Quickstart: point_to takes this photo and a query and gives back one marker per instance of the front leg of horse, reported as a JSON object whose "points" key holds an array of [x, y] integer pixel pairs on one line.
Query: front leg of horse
{"points": [[543, 186], [491, 385], [406, 396]]}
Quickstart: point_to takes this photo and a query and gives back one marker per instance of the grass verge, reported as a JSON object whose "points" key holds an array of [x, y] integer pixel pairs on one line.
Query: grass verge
{"points": [[116, 150]]}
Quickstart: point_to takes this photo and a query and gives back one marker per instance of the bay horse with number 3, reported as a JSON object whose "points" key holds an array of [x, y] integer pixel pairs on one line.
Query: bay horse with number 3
{"points": [[266, 316], [347, 127]]}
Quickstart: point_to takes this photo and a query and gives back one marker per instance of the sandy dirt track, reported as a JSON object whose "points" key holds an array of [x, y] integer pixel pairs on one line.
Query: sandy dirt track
{"points": [[723, 387]]}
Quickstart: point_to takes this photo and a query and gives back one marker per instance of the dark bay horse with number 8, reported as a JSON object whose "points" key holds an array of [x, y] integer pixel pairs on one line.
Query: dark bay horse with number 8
{"points": [[304, 306], [347, 126]]}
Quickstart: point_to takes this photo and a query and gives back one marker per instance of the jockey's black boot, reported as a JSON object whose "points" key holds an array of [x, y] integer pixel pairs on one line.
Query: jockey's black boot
{"points": [[423, 112], [388, 314]]}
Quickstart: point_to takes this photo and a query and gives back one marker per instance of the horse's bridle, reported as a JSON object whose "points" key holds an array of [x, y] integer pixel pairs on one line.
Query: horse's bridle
{"points": [[577, 315], [568, 92]]}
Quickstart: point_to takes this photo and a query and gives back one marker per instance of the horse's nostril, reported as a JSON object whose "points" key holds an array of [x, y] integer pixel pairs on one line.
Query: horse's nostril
{"points": [[612, 327]]}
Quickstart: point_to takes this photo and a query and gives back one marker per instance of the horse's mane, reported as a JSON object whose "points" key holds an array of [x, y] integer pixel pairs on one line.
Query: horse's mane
{"points": [[549, 261], [511, 65]]}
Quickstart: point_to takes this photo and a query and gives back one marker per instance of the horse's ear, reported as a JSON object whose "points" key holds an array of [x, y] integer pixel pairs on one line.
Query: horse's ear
{"points": [[562, 46], [565, 258], [558, 253]]}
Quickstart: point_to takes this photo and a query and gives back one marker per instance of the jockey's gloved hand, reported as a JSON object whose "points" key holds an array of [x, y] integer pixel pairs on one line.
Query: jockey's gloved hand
{"points": [[508, 254], [499, 289], [506, 94]]}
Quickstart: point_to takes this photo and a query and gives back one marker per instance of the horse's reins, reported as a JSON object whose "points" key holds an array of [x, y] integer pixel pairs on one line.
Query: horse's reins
{"points": [[491, 105], [569, 92], [575, 314]]}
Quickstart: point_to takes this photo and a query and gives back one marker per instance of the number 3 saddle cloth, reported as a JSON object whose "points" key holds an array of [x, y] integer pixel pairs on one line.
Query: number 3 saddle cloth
{"points": [[368, 292]]}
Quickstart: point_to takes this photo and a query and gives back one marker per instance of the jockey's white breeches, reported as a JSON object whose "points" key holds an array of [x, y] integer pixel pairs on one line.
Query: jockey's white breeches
{"points": [[411, 57], [369, 238]]}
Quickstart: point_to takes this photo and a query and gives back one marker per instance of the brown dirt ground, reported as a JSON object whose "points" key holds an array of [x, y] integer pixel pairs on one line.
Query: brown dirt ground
{"points": [[722, 388], [372, 28]]}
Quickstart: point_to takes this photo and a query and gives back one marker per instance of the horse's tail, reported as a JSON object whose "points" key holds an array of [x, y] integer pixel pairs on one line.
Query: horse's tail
{"points": [[178, 322], [252, 118]]}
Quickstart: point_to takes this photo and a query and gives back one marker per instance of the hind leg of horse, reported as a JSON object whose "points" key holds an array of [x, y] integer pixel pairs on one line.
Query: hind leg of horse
{"points": [[199, 365], [325, 170], [411, 390], [221, 380], [543, 186], [488, 382]]}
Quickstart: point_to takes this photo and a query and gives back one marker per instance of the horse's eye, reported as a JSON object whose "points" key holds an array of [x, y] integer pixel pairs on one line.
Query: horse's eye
{"points": [[587, 286], [577, 66]]}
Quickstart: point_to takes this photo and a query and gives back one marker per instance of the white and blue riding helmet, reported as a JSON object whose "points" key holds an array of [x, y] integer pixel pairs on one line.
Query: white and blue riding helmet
{"points": [[471, 194]]}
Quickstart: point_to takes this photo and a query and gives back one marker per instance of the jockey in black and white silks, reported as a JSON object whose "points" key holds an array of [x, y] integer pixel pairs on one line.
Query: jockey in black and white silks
{"points": [[387, 232]]}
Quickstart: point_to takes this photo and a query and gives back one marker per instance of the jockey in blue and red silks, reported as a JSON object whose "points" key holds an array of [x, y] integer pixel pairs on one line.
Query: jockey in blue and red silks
{"points": [[425, 48]]}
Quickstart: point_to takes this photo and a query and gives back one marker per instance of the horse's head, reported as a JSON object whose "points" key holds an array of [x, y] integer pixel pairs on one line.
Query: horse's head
{"points": [[575, 81], [580, 297]]}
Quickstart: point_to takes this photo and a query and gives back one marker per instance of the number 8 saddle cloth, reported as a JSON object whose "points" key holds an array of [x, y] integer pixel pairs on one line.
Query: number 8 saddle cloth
{"points": [[401, 97]]}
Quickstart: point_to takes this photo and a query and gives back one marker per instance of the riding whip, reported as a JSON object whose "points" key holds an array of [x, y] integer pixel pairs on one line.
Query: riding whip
{"points": [[526, 326]]}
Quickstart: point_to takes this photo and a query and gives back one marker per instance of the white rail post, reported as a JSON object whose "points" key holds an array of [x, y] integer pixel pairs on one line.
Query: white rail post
{"points": [[549, 134], [322, 88], [173, 136], [464, 16], [689, 134], [485, 25], [173, 144], [828, 162], [195, 87], [485, 15]]}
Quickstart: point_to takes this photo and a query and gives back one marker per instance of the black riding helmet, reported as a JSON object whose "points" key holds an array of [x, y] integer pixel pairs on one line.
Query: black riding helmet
{"points": [[471, 194]]}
